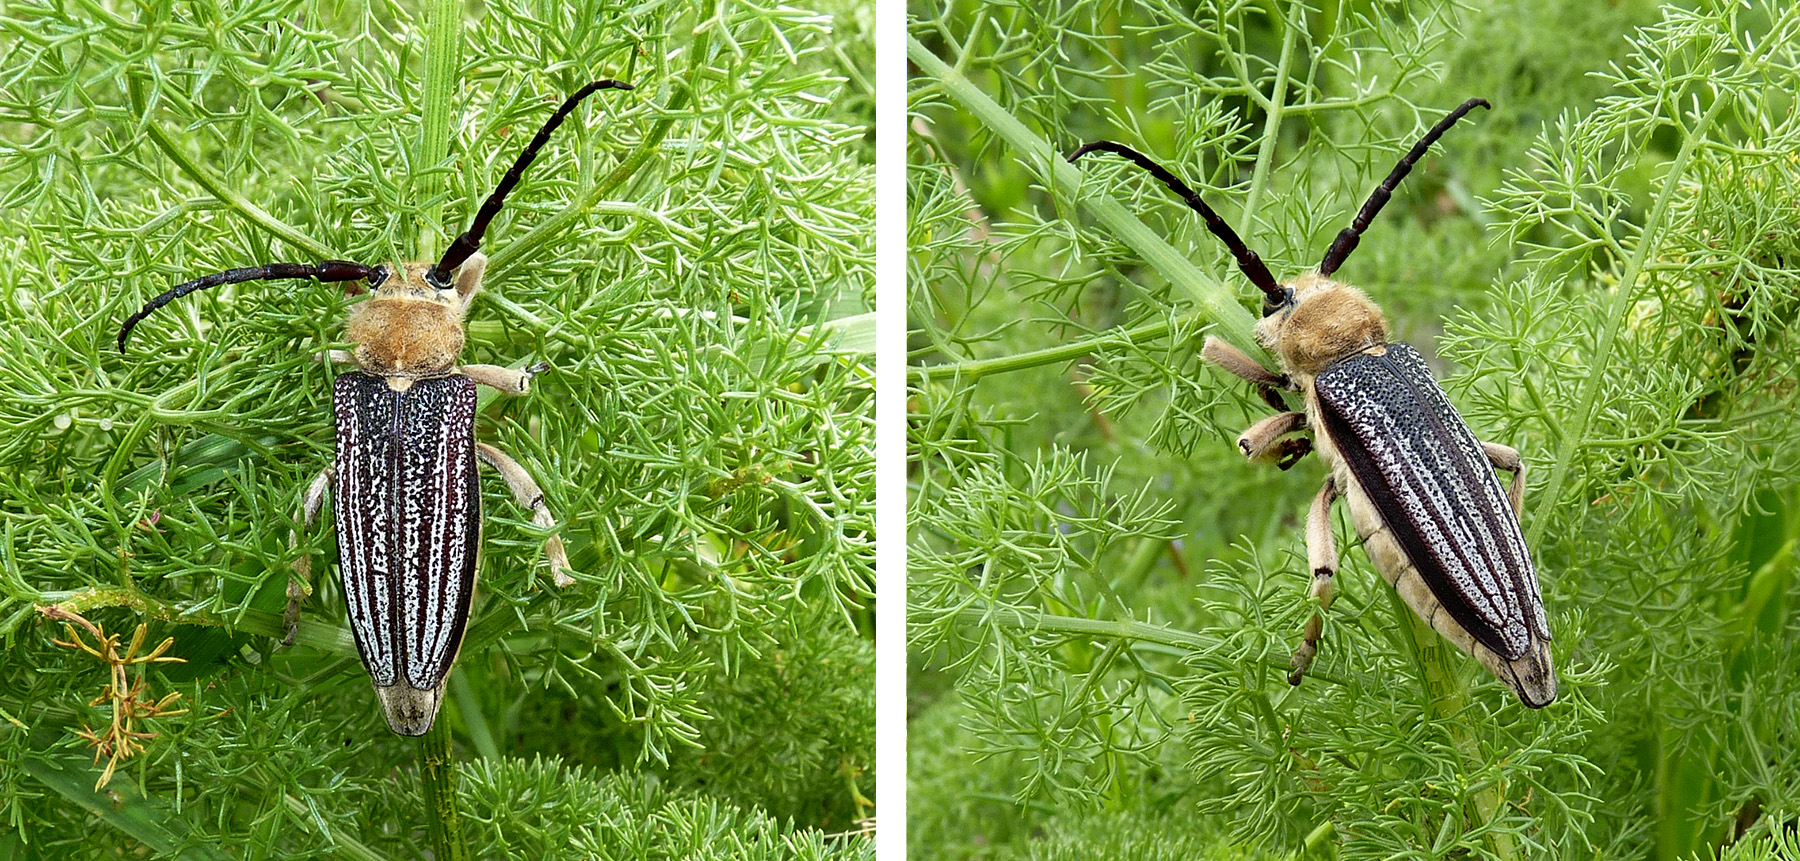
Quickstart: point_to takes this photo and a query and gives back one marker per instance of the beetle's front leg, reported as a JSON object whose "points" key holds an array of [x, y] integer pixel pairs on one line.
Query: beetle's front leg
{"points": [[508, 380], [1321, 556], [300, 586], [530, 496], [1268, 383], [1506, 459]]}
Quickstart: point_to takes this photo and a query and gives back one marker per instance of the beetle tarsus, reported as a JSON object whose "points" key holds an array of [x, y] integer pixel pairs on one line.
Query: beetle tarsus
{"points": [[1291, 451]]}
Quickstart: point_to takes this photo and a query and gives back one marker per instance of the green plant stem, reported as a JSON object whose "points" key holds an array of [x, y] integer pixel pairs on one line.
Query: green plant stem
{"points": [[437, 774], [333, 639], [443, 67], [974, 369], [1448, 699], [1599, 365], [1218, 302], [1051, 623], [1319, 839], [346, 846], [217, 187], [1275, 105]]}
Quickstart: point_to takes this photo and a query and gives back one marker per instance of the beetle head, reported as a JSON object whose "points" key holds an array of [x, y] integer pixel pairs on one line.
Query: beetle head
{"points": [[1320, 322], [410, 328]]}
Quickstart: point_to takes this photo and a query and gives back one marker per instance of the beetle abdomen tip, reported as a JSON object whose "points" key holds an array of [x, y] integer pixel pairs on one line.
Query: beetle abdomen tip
{"points": [[1532, 677], [409, 711]]}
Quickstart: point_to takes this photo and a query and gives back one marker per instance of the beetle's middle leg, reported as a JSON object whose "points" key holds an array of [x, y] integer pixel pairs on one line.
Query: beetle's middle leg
{"points": [[1321, 556], [1506, 459], [300, 585], [529, 495], [1263, 440]]}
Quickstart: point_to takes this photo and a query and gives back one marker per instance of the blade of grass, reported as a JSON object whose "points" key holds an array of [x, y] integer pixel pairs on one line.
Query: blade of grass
{"points": [[119, 806], [443, 67]]}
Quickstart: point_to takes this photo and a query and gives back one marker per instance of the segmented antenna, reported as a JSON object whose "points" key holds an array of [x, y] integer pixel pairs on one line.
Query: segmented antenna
{"points": [[1348, 237], [329, 271], [1247, 260], [470, 241]]}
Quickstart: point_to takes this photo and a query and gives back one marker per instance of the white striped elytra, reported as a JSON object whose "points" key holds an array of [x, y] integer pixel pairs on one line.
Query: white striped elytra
{"points": [[407, 501], [1421, 489], [408, 508]]}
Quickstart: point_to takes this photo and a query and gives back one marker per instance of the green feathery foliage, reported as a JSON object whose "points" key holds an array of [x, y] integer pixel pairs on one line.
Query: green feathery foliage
{"points": [[694, 260], [1103, 595]]}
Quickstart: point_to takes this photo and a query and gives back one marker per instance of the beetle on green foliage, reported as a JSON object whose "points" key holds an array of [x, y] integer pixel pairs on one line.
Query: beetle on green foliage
{"points": [[1421, 488], [406, 500]]}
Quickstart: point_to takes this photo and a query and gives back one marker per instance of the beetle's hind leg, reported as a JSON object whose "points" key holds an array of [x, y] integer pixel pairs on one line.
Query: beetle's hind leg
{"points": [[300, 585], [529, 495], [1506, 459], [1321, 557]]}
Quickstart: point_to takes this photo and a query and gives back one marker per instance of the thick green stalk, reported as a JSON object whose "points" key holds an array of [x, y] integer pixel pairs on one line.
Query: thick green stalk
{"points": [[1143, 632], [217, 187], [1449, 703], [334, 639], [1218, 302], [437, 773]]}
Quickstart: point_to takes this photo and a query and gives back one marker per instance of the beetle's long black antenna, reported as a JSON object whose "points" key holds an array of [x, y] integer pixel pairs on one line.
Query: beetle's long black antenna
{"points": [[330, 270], [1247, 260], [1348, 237], [470, 241]]}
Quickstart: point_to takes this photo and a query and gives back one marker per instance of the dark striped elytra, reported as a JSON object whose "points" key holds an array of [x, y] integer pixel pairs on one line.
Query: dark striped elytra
{"points": [[1420, 487], [1427, 475], [408, 509]]}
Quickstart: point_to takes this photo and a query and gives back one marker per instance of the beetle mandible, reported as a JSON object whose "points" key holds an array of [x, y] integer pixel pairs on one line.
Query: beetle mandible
{"points": [[406, 498], [1422, 491]]}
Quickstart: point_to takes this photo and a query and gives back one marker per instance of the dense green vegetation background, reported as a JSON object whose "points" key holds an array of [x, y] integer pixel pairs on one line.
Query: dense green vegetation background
{"points": [[693, 259], [1103, 595]]}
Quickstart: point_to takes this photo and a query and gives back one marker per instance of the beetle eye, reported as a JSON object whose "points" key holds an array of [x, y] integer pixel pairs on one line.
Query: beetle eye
{"points": [[441, 282], [378, 276], [1270, 306]]}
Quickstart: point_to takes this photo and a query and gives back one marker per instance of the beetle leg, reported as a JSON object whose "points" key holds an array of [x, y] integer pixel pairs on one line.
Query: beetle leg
{"points": [[300, 585], [1268, 383], [512, 381], [1259, 441], [1321, 556], [530, 496], [1506, 459], [1233, 360]]}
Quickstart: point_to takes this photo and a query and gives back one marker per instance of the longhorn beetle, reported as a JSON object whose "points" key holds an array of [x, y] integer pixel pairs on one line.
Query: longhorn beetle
{"points": [[406, 502], [1422, 495]]}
